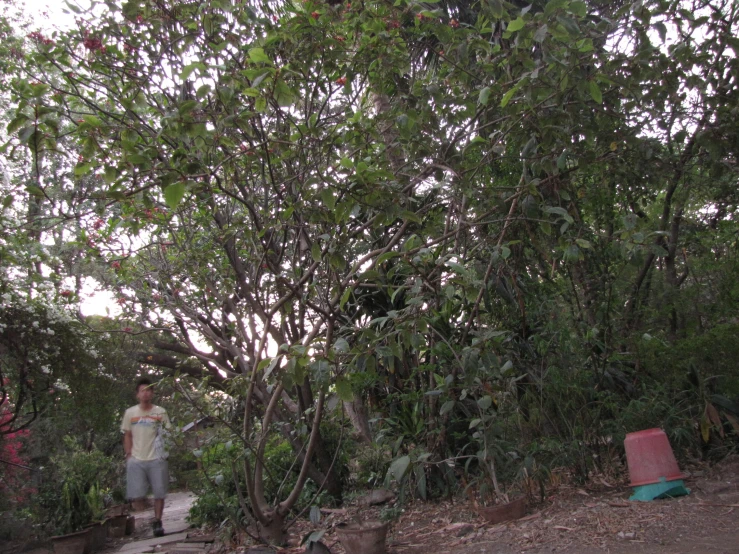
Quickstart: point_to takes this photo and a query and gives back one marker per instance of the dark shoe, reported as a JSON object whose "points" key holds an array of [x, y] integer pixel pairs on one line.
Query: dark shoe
{"points": [[158, 529]]}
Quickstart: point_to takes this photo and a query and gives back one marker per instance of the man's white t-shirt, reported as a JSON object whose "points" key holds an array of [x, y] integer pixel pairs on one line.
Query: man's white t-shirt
{"points": [[145, 425]]}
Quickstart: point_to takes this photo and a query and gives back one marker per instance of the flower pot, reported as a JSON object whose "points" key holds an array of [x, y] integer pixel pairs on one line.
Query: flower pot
{"points": [[117, 526], [130, 525], [117, 510], [96, 535], [73, 543], [365, 537], [515, 509]]}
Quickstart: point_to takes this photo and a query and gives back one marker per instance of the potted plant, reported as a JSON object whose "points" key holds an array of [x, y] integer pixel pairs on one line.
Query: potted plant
{"points": [[503, 509], [97, 529], [74, 513], [80, 521]]}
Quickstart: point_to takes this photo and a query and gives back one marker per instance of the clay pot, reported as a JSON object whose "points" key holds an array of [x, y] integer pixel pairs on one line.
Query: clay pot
{"points": [[117, 510], [96, 535], [130, 525], [515, 509], [365, 537], [73, 543], [117, 526]]}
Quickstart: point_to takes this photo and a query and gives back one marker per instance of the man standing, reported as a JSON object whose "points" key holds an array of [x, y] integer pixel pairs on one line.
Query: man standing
{"points": [[146, 458]]}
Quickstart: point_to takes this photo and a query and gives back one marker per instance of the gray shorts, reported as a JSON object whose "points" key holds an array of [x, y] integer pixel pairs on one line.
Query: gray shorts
{"points": [[141, 474]]}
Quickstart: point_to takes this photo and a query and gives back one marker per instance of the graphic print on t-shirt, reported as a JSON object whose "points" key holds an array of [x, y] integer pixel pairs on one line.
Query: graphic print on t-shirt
{"points": [[147, 420]]}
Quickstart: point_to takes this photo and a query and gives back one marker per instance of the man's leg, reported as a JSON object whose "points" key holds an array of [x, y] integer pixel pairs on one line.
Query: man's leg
{"points": [[159, 479], [136, 479], [158, 508]]}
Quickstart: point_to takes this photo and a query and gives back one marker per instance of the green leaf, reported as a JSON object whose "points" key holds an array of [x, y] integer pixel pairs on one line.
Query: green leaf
{"points": [[257, 55], [316, 252], [174, 194], [661, 29], [485, 402], [516, 25], [188, 69], [399, 467], [484, 96], [541, 33], [328, 198], [507, 97], [446, 407], [26, 133], [34, 190], [16, 123], [344, 389], [386, 256], [595, 92], [283, 94], [578, 8], [345, 298], [341, 345], [271, 367]]}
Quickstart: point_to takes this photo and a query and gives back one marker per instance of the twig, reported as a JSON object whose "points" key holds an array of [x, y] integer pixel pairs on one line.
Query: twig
{"points": [[718, 505]]}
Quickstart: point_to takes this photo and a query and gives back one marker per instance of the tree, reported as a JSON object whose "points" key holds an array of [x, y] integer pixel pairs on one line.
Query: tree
{"points": [[295, 203]]}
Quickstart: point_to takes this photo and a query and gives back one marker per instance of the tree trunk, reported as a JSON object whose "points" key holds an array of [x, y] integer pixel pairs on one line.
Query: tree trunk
{"points": [[273, 532], [357, 412]]}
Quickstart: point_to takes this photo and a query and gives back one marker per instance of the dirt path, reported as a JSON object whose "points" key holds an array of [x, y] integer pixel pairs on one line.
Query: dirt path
{"points": [[592, 519]]}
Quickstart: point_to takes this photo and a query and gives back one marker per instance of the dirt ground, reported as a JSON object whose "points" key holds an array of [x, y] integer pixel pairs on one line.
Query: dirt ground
{"points": [[594, 518]]}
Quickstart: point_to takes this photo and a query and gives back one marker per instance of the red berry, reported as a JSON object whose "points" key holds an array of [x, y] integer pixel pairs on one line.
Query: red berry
{"points": [[341, 81], [315, 15]]}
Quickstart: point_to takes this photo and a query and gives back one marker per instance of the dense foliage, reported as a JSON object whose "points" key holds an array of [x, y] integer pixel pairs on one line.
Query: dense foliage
{"points": [[496, 233]]}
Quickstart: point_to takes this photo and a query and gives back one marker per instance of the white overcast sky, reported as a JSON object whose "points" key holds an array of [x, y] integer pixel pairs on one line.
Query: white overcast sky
{"points": [[49, 14]]}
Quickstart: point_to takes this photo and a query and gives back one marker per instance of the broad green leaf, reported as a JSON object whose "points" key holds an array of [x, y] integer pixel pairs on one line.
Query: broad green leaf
{"points": [[446, 407], [341, 345], [516, 25], [541, 33], [595, 92], [579, 8], [26, 133], [399, 467], [328, 198], [507, 97], [345, 298], [316, 252], [344, 389], [34, 190], [386, 256], [16, 123], [174, 194], [485, 402], [257, 55], [271, 367], [484, 96]]}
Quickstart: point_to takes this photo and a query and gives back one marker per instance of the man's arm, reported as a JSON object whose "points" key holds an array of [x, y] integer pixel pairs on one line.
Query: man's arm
{"points": [[127, 443]]}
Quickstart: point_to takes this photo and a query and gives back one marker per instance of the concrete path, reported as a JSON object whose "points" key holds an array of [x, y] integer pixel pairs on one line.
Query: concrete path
{"points": [[176, 507]]}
